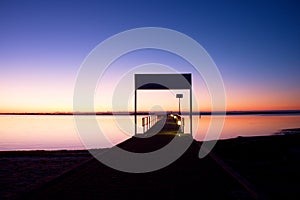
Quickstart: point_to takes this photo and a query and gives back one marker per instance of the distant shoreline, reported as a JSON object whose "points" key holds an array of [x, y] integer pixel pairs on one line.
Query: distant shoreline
{"points": [[266, 112]]}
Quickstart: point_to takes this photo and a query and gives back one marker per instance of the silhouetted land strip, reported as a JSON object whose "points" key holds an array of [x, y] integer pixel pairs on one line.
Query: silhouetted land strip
{"points": [[269, 166], [261, 112]]}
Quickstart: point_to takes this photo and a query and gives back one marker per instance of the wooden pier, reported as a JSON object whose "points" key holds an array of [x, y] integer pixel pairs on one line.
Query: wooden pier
{"points": [[187, 177]]}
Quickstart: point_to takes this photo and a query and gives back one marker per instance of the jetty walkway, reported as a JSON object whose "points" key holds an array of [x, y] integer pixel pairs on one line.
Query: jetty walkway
{"points": [[186, 178]]}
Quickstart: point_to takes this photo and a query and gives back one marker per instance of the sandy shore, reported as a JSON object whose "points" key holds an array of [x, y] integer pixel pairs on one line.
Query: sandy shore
{"points": [[270, 165], [22, 171]]}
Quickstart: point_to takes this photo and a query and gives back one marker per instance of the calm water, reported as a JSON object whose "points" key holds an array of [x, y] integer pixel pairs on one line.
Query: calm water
{"points": [[59, 132]]}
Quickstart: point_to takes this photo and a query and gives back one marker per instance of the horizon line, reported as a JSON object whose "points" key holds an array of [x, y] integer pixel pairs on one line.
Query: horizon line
{"points": [[158, 112]]}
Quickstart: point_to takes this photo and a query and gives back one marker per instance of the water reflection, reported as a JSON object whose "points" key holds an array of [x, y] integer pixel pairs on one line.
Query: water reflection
{"points": [[249, 125], [59, 132]]}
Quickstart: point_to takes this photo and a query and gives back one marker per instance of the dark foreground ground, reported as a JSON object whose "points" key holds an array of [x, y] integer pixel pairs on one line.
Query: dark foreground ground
{"points": [[241, 168]]}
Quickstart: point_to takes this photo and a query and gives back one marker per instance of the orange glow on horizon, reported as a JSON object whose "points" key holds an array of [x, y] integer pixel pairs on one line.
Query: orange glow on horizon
{"points": [[43, 96]]}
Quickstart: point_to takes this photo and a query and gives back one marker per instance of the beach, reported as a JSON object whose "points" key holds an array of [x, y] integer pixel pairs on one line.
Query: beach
{"points": [[240, 168], [23, 171]]}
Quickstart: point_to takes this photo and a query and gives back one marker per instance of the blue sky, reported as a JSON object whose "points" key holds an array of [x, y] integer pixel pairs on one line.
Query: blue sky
{"points": [[255, 44]]}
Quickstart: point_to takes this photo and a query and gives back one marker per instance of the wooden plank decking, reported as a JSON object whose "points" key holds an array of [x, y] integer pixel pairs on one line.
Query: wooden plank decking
{"points": [[186, 178]]}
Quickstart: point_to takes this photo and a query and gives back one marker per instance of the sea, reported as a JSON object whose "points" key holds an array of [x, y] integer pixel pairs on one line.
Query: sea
{"points": [[68, 132]]}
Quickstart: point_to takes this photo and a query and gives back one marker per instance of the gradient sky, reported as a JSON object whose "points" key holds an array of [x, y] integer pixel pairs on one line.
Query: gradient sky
{"points": [[255, 44]]}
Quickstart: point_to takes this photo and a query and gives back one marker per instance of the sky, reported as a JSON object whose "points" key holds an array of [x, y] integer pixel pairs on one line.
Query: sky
{"points": [[255, 45]]}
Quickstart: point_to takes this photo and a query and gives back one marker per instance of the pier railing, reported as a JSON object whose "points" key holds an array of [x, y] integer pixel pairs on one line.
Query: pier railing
{"points": [[179, 120], [149, 121]]}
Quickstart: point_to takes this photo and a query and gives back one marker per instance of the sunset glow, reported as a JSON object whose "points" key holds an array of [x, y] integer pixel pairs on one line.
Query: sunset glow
{"points": [[257, 53]]}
